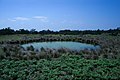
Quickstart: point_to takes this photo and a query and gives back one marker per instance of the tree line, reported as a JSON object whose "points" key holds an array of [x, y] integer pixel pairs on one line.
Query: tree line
{"points": [[9, 31]]}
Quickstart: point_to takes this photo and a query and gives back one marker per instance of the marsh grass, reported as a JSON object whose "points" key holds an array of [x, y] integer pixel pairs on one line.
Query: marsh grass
{"points": [[109, 47]]}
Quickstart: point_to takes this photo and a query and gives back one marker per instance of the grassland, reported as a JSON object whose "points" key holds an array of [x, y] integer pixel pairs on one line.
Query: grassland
{"points": [[17, 36], [60, 64]]}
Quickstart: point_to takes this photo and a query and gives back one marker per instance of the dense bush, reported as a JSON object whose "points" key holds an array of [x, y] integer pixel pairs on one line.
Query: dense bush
{"points": [[66, 67]]}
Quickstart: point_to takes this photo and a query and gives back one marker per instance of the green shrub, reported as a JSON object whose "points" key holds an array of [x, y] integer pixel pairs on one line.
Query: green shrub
{"points": [[68, 67]]}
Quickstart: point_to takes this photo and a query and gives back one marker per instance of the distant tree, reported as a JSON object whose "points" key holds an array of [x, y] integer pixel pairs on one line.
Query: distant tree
{"points": [[46, 32], [22, 31], [33, 31], [118, 28], [98, 31], [7, 31]]}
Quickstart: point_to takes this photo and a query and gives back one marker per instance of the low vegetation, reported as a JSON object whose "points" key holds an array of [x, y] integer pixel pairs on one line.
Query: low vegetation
{"points": [[44, 64], [109, 48], [66, 67]]}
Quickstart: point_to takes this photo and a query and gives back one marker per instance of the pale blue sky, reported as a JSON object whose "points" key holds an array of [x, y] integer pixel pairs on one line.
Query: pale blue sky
{"points": [[60, 14]]}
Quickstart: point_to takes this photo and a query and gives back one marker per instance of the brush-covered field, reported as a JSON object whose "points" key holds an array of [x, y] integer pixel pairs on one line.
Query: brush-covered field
{"points": [[66, 67], [60, 64]]}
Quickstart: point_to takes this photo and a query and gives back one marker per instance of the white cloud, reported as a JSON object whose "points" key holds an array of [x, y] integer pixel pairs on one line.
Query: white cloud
{"points": [[41, 18], [12, 20], [19, 19]]}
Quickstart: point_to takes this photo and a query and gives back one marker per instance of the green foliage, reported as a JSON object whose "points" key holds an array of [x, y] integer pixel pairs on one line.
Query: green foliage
{"points": [[16, 63], [2, 53], [70, 67]]}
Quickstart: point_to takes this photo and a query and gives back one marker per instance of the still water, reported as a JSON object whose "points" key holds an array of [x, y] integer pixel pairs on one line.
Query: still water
{"points": [[58, 44]]}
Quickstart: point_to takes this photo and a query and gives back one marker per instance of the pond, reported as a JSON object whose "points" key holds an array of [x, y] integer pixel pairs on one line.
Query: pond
{"points": [[61, 44]]}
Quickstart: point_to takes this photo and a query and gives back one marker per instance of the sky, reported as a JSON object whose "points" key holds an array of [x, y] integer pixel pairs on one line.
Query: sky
{"points": [[60, 14]]}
